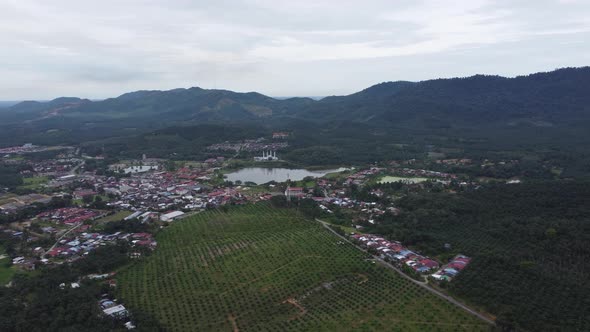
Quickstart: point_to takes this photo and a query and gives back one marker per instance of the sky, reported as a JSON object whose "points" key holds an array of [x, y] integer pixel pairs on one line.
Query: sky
{"points": [[100, 49]]}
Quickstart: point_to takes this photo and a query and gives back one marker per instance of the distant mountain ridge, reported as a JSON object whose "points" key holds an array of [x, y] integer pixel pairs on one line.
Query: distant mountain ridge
{"points": [[555, 98], [192, 104]]}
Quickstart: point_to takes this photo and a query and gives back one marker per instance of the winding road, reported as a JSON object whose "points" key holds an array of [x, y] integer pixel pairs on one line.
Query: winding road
{"points": [[419, 283]]}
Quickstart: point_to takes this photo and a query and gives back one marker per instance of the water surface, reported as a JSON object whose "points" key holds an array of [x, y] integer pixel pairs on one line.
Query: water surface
{"points": [[260, 175]]}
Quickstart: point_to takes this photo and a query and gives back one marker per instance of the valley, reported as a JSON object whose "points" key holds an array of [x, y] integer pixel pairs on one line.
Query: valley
{"points": [[404, 207]]}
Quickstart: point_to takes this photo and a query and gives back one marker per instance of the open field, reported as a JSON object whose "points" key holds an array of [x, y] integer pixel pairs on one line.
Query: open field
{"points": [[339, 175], [34, 182], [6, 272], [119, 215], [80, 201], [390, 179], [6, 198], [257, 268]]}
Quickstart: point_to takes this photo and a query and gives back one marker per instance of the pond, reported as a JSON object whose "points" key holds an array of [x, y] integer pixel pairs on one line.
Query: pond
{"points": [[260, 175]]}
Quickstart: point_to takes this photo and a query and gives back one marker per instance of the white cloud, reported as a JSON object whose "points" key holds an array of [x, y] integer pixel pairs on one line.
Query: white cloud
{"points": [[104, 48]]}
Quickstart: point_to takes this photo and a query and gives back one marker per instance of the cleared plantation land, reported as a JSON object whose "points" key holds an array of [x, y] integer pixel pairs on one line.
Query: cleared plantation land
{"points": [[257, 268]]}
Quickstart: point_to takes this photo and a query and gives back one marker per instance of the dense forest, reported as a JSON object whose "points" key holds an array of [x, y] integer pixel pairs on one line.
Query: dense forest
{"points": [[37, 302], [10, 177], [348, 143], [529, 243], [180, 143]]}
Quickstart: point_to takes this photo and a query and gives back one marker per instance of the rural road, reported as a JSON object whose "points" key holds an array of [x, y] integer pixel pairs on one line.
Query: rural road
{"points": [[419, 283], [80, 224], [75, 169], [61, 237]]}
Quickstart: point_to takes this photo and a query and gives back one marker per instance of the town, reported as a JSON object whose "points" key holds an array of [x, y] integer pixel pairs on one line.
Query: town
{"points": [[66, 206], [295, 166]]}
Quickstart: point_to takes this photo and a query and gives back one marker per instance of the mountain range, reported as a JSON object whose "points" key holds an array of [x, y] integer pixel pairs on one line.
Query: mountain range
{"points": [[549, 109], [539, 99]]}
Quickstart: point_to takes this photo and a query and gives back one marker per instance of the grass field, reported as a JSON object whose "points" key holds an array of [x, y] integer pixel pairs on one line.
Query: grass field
{"points": [[338, 175], [257, 268], [6, 273], [390, 179], [119, 215], [34, 182], [80, 201]]}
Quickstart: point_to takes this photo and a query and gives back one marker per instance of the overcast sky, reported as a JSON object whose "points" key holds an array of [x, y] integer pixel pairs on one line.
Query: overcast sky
{"points": [[99, 49]]}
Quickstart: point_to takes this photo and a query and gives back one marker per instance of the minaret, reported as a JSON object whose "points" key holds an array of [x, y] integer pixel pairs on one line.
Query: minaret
{"points": [[288, 192]]}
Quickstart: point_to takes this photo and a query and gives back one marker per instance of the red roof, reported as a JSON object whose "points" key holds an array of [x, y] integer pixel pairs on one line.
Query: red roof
{"points": [[141, 235], [429, 263], [457, 265]]}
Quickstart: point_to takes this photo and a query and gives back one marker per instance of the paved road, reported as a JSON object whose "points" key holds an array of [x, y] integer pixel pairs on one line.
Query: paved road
{"points": [[419, 283]]}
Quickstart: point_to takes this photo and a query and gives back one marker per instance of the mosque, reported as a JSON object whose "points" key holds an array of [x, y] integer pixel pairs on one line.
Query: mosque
{"points": [[267, 156]]}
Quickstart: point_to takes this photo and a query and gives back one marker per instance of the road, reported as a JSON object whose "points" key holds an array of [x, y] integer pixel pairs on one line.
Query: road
{"points": [[73, 170], [419, 283], [80, 224], [61, 237]]}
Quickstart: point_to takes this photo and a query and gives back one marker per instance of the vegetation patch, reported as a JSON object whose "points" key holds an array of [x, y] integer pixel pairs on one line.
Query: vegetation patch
{"points": [[529, 244], [6, 270], [257, 267], [34, 182], [391, 179], [119, 215]]}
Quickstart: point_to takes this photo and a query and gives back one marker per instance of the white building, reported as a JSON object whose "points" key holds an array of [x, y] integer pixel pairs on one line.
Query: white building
{"points": [[116, 311], [171, 216], [139, 169], [267, 156]]}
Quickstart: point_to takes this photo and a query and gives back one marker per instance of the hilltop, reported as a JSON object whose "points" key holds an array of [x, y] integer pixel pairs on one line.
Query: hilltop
{"points": [[542, 112]]}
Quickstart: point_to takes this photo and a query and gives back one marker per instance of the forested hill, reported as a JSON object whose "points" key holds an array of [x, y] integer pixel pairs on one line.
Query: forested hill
{"points": [[557, 100], [541, 99], [193, 104]]}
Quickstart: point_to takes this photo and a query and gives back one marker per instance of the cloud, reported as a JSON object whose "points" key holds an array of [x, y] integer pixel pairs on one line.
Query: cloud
{"points": [[104, 48]]}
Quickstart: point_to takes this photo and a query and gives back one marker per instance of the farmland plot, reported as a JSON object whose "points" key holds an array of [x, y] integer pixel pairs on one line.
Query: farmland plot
{"points": [[256, 268]]}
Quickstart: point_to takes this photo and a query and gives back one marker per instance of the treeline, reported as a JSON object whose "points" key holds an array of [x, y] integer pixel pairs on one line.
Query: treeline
{"points": [[10, 177], [35, 208], [178, 142]]}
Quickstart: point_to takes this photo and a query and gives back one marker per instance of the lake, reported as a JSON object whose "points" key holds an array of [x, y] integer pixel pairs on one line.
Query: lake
{"points": [[260, 175]]}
